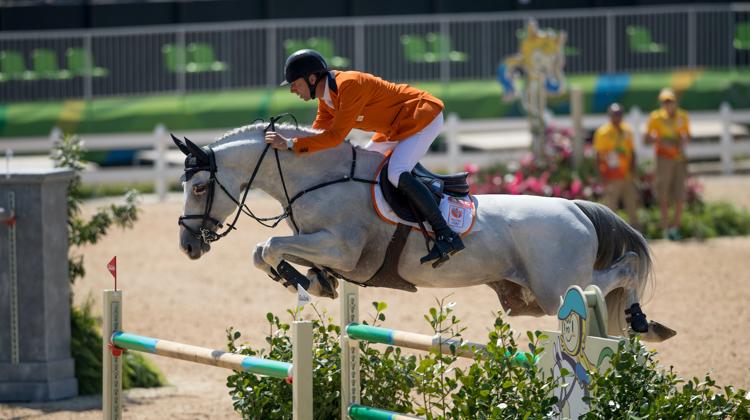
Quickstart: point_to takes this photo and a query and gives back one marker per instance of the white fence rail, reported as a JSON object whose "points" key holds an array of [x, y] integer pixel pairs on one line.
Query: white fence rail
{"points": [[717, 136]]}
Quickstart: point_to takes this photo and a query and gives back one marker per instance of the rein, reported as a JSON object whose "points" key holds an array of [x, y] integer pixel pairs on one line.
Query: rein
{"points": [[207, 235]]}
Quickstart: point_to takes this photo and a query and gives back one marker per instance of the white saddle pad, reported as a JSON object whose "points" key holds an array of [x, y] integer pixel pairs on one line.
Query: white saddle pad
{"points": [[459, 213]]}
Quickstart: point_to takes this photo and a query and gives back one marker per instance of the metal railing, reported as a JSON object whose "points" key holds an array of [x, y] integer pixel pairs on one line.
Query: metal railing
{"points": [[192, 58]]}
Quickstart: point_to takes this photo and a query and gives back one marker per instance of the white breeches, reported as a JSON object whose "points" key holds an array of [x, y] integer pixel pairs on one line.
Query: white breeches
{"points": [[407, 152]]}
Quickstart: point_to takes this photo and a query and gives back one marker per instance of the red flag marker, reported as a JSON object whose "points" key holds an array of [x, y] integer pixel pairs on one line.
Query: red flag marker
{"points": [[112, 267]]}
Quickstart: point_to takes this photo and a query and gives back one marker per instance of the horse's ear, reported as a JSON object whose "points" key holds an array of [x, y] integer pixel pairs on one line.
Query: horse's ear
{"points": [[180, 145], [196, 151]]}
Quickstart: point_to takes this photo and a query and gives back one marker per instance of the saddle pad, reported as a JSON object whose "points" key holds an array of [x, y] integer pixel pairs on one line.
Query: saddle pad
{"points": [[459, 213]]}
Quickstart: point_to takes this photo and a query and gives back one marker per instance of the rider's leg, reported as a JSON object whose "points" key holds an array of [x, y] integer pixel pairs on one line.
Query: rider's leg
{"points": [[382, 147], [405, 156]]}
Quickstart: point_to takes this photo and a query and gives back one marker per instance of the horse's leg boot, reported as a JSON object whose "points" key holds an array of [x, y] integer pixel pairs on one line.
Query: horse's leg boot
{"points": [[636, 318], [447, 242], [293, 277]]}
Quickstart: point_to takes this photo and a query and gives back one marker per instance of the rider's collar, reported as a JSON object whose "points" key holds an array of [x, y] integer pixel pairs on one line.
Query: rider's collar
{"points": [[332, 81], [330, 86]]}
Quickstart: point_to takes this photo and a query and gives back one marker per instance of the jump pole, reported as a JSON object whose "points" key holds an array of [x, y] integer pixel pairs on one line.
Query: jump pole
{"points": [[362, 412], [414, 341], [300, 371]]}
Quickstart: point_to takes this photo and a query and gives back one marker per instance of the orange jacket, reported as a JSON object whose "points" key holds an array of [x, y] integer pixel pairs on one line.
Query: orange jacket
{"points": [[361, 100]]}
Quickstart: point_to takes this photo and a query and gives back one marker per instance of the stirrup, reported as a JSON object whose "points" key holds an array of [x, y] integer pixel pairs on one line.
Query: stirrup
{"points": [[442, 250], [437, 255]]}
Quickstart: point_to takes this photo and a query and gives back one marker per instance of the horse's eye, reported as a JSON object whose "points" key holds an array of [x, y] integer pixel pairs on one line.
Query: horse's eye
{"points": [[199, 189]]}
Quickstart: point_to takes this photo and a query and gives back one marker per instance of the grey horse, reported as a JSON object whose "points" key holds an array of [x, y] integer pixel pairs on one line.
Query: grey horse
{"points": [[528, 249]]}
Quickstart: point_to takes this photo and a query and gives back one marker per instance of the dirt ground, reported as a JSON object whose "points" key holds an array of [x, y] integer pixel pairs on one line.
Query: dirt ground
{"points": [[702, 291]]}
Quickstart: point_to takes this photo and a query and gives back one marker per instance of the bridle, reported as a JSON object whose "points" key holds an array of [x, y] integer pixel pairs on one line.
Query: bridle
{"points": [[204, 159]]}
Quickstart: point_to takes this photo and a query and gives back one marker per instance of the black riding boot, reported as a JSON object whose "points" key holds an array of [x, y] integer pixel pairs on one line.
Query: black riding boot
{"points": [[447, 242]]}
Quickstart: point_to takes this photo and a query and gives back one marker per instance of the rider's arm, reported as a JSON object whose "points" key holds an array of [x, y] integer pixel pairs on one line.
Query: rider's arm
{"points": [[352, 103], [323, 119]]}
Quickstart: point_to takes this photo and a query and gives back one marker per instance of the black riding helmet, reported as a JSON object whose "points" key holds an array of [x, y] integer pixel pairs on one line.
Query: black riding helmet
{"points": [[303, 63]]}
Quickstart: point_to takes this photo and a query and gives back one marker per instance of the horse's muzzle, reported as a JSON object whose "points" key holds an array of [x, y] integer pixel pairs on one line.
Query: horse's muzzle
{"points": [[191, 245]]}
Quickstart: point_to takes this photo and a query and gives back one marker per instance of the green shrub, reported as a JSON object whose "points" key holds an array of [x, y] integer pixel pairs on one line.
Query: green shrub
{"points": [[495, 386], [700, 220], [271, 398], [636, 387]]}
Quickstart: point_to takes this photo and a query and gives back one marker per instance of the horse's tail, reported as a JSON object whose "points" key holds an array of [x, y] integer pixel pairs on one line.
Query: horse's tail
{"points": [[616, 239]]}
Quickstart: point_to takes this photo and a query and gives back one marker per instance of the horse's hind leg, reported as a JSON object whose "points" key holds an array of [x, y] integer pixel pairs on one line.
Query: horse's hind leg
{"points": [[620, 288], [618, 285], [516, 300]]}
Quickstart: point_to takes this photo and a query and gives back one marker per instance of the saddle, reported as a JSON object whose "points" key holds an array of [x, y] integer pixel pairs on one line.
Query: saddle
{"points": [[451, 190], [453, 185]]}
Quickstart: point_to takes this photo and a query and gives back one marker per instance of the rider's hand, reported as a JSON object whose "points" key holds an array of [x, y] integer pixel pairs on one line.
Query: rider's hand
{"points": [[277, 141]]}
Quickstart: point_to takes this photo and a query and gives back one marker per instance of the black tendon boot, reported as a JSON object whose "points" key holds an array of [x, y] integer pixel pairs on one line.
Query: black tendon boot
{"points": [[447, 242]]}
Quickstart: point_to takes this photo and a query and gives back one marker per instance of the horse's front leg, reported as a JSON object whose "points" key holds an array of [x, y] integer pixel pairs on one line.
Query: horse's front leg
{"points": [[262, 265], [323, 249]]}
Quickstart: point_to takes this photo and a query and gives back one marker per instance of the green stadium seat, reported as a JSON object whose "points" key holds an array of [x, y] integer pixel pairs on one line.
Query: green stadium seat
{"points": [[442, 49], [325, 47], [201, 58], [174, 58], [639, 41], [415, 49], [322, 45], [742, 36], [80, 63], [292, 45], [45, 65], [12, 67], [571, 51]]}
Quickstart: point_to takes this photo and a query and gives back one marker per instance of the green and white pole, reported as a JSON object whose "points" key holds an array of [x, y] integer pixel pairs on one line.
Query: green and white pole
{"points": [[299, 372], [202, 355], [413, 340], [361, 412]]}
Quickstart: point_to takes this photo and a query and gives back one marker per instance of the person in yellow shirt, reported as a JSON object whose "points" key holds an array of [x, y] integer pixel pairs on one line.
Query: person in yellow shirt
{"points": [[615, 158], [668, 129]]}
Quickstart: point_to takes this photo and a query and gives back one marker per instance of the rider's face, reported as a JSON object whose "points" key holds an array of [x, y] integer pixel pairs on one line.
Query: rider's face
{"points": [[300, 88]]}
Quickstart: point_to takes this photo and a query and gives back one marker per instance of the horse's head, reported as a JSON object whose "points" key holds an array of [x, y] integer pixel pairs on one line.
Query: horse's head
{"points": [[208, 198]]}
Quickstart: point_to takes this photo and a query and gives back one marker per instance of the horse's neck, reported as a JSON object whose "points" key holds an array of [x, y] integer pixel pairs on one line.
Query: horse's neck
{"points": [[299, 172]]}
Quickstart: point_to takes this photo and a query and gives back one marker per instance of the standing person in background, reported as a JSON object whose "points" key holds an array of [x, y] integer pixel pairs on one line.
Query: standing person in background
{"points": [[615, 158], [668, 128]]}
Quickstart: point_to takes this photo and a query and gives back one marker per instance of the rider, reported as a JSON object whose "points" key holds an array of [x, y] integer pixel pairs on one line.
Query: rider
{"points": [[405, 120]]}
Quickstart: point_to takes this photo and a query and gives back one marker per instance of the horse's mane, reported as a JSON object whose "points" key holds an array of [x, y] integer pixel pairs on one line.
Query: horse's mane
{"points": [[250, 131]]}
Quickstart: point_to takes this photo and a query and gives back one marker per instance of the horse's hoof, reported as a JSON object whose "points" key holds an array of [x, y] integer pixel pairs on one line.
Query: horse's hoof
{"points": [[440, 262], [656, 332], [661, 331], [327, 285]]}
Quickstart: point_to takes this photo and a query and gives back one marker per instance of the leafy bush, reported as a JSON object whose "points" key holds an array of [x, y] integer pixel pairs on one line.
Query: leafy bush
{"points": [[494, 386], [86, 340], [271, 398], [636, 387]]}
